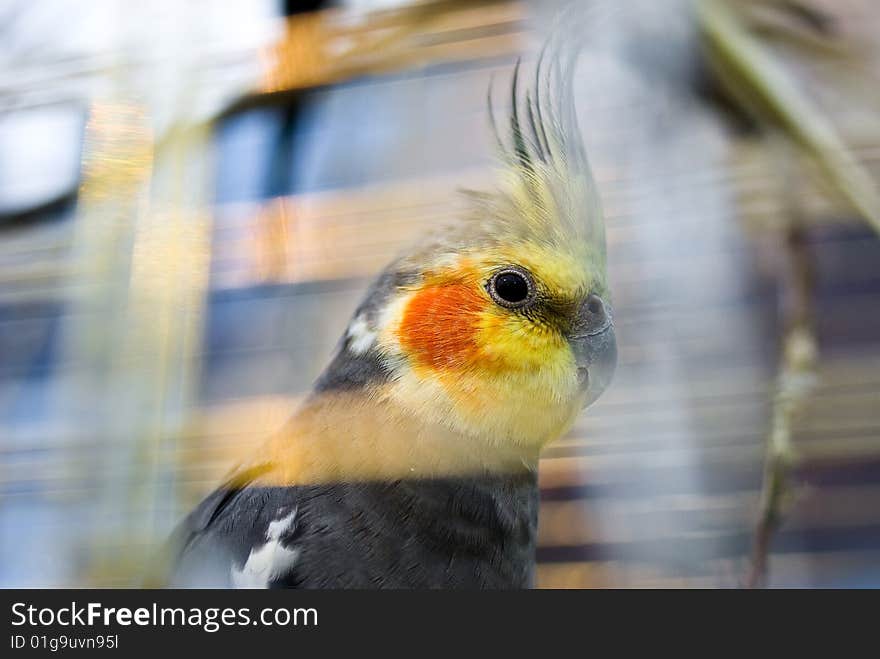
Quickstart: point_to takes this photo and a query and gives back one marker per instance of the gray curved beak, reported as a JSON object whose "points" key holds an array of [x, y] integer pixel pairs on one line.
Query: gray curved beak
{"points": [[594, 346]]}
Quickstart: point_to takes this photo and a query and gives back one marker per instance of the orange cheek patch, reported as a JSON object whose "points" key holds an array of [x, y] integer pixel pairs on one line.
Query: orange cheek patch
{"points": [[439, 325]]}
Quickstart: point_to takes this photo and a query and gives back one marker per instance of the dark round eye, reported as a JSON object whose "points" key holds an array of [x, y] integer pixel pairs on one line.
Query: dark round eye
{"points": [[512, 287]]}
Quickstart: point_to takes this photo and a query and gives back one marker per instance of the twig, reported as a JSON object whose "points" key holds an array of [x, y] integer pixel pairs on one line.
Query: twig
{"points": [[796, 381], [761, 85]]}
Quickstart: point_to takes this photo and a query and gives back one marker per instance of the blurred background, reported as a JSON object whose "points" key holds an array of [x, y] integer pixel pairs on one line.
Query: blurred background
{"points": [[193, 196]]}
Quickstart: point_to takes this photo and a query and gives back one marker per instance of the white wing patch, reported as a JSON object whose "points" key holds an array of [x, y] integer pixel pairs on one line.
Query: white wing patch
{"points": [[360, 336], [266, 563]]}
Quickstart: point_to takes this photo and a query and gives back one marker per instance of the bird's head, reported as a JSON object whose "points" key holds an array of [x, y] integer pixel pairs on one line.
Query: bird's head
{"points": [[499, 326]]}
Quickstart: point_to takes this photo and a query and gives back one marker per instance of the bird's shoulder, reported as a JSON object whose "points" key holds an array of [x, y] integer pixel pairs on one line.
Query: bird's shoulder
{"points": [[242, 534]]}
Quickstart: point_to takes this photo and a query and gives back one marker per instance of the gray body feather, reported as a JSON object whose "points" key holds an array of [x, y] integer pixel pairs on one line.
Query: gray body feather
{"points": [[445, 533]]}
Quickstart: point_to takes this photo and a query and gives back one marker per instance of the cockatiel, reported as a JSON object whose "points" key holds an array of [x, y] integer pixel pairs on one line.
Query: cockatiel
{"points": [[413, 462]]}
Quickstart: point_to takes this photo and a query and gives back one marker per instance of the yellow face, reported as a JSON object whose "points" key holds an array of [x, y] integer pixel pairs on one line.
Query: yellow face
{"points": [[485, 342]]}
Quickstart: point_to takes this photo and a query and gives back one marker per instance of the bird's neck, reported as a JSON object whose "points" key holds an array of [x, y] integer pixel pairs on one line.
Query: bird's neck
{"points": [[349, 436]]}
